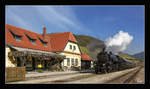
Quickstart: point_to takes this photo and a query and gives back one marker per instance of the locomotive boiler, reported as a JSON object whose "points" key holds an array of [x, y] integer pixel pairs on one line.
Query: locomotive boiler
{"points": [[108, 62]]}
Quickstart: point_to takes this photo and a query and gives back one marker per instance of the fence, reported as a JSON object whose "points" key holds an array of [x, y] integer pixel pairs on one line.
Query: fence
{"points": [[15, 73]]}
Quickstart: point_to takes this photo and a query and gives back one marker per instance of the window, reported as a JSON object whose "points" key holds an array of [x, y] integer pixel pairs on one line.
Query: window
{"points": [[74, 47], [68, 61], [76, 62], [44, 43], [31, 40], [72, 62], [70, 46], [17, 38]]}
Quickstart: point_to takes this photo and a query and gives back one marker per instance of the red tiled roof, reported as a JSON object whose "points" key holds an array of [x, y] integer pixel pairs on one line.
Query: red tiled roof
{"points": [[59, 40], [55, 42], [85, 57], [13, 29], [46, 39], [31, 35], [25, 43]]}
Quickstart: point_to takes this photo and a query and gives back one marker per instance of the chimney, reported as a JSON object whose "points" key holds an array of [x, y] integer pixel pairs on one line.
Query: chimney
{"points": [[44, 32]]}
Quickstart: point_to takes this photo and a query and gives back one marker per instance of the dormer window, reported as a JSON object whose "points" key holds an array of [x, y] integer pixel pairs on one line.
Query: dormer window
{"points": [[44, 43], [17, 37], [30, 39]]}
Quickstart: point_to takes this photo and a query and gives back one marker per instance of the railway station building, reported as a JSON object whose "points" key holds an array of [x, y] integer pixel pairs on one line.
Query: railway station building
{"points": [[26, 48]]}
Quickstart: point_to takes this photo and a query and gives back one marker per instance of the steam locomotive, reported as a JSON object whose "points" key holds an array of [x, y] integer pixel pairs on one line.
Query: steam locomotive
{"points": [[108, 62]]}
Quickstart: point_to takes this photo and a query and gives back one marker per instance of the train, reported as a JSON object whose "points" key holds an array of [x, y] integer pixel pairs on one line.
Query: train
{"points": [[108, 62]]}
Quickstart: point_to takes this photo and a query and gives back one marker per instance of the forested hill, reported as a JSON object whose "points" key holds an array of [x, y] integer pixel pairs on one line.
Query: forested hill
{"points": [[139, 55], [89, 45]]}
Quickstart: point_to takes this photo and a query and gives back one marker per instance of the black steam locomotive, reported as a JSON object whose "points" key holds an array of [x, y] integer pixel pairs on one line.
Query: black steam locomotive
{"points": [[107, 62]]}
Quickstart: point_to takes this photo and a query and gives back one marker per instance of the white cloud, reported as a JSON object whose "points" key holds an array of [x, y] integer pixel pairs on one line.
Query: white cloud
{"points": [[119, 42], [62, 16]]}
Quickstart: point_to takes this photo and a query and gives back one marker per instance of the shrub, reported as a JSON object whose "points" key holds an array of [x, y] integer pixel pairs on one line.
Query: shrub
{"points": [[40, 71], [55, 68]]}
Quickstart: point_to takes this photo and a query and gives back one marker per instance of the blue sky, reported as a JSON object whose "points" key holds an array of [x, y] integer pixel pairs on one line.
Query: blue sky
{"points": [[100, 21]]}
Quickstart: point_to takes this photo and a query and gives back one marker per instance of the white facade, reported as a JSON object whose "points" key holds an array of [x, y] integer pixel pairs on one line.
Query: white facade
{"points": [[70, 57], [73, 55], [8, 63], [76, 50]]}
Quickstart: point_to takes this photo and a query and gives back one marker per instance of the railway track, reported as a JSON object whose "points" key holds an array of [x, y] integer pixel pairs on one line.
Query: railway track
{"points": [[72, 78], [91, 76], [126, 78]]}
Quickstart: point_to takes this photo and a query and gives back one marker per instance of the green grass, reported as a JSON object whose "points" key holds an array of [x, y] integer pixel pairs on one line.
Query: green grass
{"points": [[129, 58], [84, 49], [56, 68], [40, 71]]}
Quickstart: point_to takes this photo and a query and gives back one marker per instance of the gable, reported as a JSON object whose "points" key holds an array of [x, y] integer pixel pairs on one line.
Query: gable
{"points": [[59, 40], [72, 38], [57, 44], [72, 50]]}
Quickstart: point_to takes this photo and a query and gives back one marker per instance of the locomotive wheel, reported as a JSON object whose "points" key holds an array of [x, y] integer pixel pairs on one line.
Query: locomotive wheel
{"points": [[108, 69], [96, 71]]}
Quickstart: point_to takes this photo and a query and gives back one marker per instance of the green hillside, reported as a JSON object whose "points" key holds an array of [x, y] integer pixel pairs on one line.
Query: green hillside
{"points": [[139, 56], [123, 55], [90, 45]]}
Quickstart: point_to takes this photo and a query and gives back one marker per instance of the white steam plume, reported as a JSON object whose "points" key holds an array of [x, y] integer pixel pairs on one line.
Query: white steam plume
{"points": [[119, 42]]}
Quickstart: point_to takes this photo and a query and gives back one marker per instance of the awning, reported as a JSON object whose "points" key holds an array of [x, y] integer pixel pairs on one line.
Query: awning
{"points": [[38, 52], [31, 50]]}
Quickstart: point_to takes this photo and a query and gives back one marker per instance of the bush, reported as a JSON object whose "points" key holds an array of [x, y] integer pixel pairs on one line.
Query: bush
{"points": [[84, 49], [40, 71], [55, 68]]}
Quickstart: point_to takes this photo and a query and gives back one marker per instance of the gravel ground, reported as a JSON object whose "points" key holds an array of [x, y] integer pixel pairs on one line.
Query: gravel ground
{"points": [[100, 78], [50, 78], [72, 77], [48, 74], [139, 79]]}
